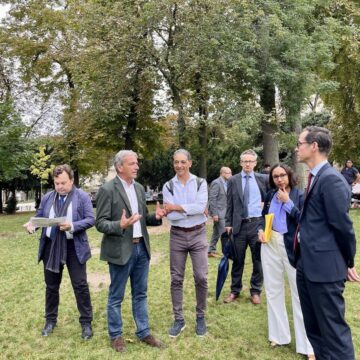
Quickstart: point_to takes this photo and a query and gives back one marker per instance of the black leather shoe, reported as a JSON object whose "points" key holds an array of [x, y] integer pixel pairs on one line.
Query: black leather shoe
{"points": [[87, 332], [48, 329]]}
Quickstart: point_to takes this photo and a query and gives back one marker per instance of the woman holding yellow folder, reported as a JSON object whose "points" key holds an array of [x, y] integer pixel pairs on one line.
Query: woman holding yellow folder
{"points": [[284, 201]]}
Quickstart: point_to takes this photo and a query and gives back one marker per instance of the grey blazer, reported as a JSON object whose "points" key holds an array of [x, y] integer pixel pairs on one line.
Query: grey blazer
{"points": [[217, 199], [116, 245], [235, 199]]}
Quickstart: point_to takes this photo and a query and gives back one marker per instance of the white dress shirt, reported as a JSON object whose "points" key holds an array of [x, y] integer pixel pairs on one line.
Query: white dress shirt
{"points": [[69, 217], [131, 194]]}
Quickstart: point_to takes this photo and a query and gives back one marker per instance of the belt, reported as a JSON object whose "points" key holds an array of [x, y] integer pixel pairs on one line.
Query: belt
{"points": [[137, 240], [252, 219], [196, 227]]}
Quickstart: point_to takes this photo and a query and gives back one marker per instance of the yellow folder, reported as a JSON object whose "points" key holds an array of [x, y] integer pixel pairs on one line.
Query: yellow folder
{"points": [[268, 226]]}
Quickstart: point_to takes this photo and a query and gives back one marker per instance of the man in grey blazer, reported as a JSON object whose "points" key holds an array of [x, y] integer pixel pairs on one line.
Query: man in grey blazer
{"points": [[245, 196], [217, 207], [122, 217]]}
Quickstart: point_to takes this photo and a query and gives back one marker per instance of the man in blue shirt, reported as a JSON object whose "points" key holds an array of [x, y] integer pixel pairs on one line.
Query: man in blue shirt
{"points": [[245, 196]]}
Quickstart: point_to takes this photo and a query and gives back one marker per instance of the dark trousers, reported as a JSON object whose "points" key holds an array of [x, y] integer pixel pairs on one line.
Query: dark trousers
{"points": [[218, 229], [248, 236], [323, 308], [77, 273]]}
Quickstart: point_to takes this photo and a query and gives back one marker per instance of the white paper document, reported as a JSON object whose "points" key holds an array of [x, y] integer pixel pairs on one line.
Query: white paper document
{"points": [[45, 222]]}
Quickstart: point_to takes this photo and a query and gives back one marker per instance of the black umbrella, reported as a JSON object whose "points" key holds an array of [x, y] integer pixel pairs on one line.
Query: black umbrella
{"points": [[228, 250]]}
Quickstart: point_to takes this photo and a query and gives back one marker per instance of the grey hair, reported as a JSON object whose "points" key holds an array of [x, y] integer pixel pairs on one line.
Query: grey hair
{"points": [[120, 156], [249, 152], [182, 151]]}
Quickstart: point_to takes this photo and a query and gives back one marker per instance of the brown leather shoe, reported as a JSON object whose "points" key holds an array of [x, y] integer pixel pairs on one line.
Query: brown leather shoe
{"points": [[151, 341], [255, 299], [230, 298], [214, 255], [118, 344]]}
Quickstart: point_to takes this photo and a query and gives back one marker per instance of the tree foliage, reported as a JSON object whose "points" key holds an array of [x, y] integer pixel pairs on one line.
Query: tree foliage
{"points": [[215, 76]]}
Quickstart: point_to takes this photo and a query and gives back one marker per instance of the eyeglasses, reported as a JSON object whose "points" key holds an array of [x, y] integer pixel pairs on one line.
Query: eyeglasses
{"points": [[281, 176], [248, 161], [299, 143]]}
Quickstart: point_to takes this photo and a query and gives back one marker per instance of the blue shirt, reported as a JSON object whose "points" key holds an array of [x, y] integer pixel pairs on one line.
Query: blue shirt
{"points": [[192, 200], [254, 206], [316, 169], [280, 209]]}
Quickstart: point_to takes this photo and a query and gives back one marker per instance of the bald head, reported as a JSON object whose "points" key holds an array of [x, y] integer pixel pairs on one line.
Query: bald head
{"points": [[225, 173]]}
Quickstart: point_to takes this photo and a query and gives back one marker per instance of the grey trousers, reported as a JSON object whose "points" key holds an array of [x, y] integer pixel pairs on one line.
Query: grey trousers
{"points": [[218, 229], [181, 244]]}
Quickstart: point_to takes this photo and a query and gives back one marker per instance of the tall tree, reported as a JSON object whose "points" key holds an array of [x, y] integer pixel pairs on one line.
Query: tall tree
{"points": [[116, 80], [345, 100]]}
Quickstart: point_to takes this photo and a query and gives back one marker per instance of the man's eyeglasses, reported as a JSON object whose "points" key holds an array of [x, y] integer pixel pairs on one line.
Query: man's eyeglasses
{"points": [[248, 161], [299, 143], [281, 176]]}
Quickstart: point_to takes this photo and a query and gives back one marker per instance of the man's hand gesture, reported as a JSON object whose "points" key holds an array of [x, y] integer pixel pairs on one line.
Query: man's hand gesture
{"points": [[126, 222], [159, 212]]}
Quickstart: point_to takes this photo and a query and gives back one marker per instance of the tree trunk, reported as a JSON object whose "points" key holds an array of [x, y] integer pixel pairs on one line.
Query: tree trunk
{"points": [[1, 201], [203, 130], [133, 115], [203, 141], [37, 198], [178, 105], [299, 168], [269, 126]]}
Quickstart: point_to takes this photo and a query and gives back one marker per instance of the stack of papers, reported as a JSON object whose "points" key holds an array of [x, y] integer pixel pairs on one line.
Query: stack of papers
{"points": [[46, 222]]}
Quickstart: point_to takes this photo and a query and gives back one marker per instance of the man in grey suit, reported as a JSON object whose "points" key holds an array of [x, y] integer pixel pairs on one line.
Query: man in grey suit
{"points": [[122, 217], [217, 207], [245, 196]]}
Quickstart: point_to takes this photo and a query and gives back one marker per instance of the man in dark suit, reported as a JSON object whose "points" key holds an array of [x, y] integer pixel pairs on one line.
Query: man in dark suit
{"points": [[217, 207], [245, 196], [66, 243], [122, 217], [326, 249]]}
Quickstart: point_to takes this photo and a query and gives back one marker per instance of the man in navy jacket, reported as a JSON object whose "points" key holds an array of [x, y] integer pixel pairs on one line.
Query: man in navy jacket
{"points": [[65, 244], [326, 249]]}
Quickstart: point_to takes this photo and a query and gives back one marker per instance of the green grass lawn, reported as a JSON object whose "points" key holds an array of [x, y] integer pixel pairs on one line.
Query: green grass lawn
{"points": [[235, 331]]}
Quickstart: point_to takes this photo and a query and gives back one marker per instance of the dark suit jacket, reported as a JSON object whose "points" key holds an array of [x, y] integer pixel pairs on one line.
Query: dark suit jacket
{"points": [[327, 239], [292, 219], [83, 219], [235, 199], [111, 199], [217, 199]]}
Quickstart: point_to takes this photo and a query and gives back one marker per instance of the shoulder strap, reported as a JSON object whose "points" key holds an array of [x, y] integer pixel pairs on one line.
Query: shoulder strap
{"points": [[199, 181], [170, 186]]}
